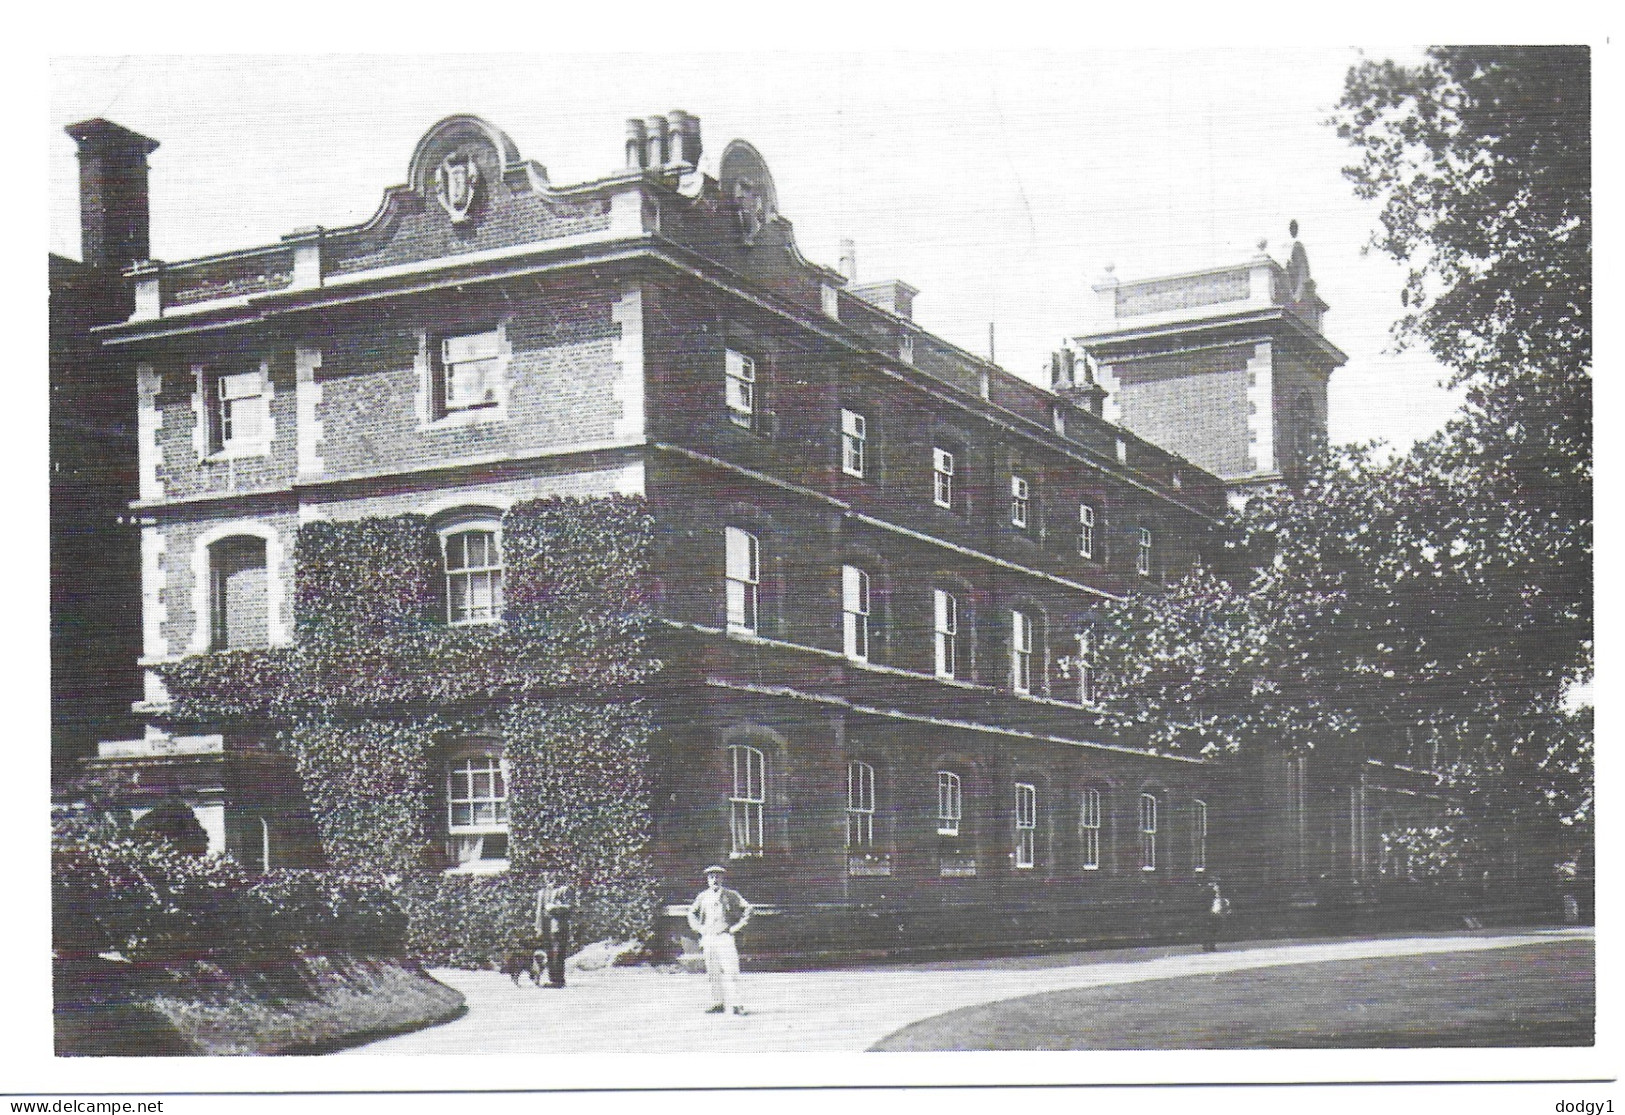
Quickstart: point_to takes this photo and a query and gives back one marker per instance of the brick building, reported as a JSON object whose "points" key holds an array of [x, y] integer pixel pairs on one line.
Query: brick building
{"points": [[877, 555]]}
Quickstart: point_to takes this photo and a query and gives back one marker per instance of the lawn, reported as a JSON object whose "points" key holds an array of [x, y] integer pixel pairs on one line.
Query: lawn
{"points": [[1531, 995]]}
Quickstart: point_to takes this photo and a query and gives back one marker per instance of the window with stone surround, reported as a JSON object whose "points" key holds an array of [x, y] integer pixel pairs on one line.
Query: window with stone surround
{"points": [[239, 594], [467, 372], [238, 408]]}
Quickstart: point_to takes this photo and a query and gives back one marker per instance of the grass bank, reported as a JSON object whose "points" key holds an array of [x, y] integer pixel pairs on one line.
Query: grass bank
{"points": [[292, 1003]]}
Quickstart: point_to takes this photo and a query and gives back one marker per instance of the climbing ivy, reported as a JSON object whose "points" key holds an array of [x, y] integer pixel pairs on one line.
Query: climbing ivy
{"points": [[376, 683]]}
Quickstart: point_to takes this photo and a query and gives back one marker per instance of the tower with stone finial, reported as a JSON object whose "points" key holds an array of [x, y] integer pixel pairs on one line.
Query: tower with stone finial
{"points": [[1227, 366]]}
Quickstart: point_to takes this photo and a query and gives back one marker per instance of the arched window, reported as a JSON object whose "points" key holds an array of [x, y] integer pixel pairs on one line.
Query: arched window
{"points": [[747, 799], [1089, 823], [950, 803], [477, 808], [860, 806], [1148, 832], [473, 562], [239, 594]]}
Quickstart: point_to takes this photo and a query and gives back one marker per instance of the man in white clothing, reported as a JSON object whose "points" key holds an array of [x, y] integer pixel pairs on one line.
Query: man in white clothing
{"points": [[716, 915]]}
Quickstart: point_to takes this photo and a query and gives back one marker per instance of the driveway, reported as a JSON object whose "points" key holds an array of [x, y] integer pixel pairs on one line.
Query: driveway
{"points": [[641, 1010]]}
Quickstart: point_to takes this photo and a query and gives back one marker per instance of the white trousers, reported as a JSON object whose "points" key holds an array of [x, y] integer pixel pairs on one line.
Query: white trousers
{"points": [[722, 967]]}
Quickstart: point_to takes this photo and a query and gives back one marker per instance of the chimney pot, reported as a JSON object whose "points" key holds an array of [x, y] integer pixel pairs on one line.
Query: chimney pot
{"points": [[691, 139], [849, 260], [114, 202], [656, 126], [636, 139], [674, 137]]}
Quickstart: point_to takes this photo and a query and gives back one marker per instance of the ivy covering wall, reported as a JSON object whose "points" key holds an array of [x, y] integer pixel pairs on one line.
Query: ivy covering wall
{"points": [[376, 684]]}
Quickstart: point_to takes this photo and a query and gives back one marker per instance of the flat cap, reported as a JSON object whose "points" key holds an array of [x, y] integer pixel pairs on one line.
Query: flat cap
{"points": [[716, 869]]}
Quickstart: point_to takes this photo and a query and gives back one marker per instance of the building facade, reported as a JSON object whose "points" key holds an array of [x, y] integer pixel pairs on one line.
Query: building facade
{"points": [[876, 560]]}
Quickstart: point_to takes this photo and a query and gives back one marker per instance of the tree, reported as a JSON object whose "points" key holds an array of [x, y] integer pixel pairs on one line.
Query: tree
{"points": [[1481, 159]]}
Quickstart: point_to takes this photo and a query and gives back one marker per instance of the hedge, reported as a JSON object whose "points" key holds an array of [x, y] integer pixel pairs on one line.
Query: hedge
{"points": [[115, 893]]}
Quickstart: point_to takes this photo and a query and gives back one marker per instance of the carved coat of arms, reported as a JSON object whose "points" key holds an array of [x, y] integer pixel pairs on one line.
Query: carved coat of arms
{"points": [[751, 208], [457, 185]]}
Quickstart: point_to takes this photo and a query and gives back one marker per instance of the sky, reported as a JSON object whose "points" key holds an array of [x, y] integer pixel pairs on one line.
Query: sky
{"points": [[1002, 185]]}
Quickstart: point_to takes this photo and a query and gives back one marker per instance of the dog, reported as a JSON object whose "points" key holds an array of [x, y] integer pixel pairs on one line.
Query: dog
{"points": [[522, 959]]}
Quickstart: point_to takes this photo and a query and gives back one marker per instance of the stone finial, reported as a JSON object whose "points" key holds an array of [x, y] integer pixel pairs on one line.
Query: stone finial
{"points": [[1292, 228]]}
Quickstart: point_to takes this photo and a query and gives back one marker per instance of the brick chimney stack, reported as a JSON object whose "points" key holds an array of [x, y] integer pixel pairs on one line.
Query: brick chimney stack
{"points": [[1072, 377], [114, 209]]}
